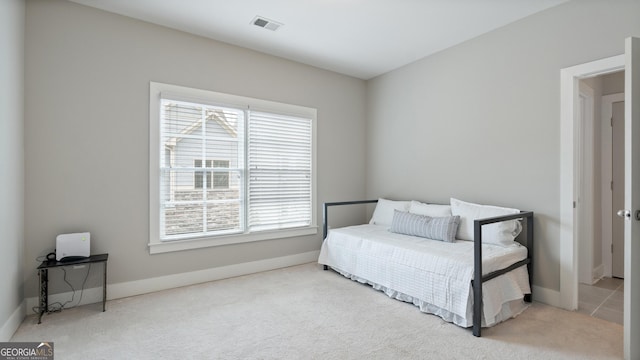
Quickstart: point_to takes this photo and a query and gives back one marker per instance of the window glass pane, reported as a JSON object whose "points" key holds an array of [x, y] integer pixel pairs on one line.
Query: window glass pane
{"points": [[183, 219], [224, 215], [177, 185], [221, 178], [182, 133], [198, 176], [209, 178], [193, 136]]}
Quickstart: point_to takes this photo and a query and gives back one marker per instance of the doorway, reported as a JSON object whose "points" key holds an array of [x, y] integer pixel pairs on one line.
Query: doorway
{"points": [[570, 241], [599, 193], [599, 177]]}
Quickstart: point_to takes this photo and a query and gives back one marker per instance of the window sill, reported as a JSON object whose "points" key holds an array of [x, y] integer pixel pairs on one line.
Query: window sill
{"points": [[159, 247]]}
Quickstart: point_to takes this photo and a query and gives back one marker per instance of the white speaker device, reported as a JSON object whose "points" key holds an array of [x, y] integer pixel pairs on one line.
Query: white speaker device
{"points": [[73, 246]]}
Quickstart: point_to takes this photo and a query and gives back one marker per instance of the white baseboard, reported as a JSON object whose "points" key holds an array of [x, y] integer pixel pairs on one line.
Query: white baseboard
{"points": [[547, 296], [139, 287], [12, 323]]}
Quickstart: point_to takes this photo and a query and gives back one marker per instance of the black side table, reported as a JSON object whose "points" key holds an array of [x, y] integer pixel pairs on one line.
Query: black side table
{"points": [[43, 274]]}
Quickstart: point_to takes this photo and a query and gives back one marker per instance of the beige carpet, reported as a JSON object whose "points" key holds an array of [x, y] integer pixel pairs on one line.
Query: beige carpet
{"points": [[303, 312]]}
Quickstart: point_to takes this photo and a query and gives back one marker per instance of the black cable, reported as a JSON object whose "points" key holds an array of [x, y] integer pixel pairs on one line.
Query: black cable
{"points": [[74, 290], [83, 283], [42, 258], [61, 306]]}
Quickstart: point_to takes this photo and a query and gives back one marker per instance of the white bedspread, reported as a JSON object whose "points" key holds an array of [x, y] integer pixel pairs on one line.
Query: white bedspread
{"points": [[434, 275]]}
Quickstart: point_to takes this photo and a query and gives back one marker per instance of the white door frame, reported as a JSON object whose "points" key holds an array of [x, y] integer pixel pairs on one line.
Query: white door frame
{"points": [[632, 198], [569, 102], [607, 201]]}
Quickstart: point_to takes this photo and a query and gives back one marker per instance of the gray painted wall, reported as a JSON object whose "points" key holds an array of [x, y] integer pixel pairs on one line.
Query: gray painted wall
{"points": [[12, 21], [481, 121], [87, 113]]}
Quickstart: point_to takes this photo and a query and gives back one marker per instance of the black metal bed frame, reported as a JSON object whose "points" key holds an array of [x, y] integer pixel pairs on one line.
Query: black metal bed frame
{"points": [[527, 216]]}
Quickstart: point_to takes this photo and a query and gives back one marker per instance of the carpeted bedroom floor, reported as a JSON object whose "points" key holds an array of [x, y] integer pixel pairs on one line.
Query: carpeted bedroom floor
{"points": [[303, 312]]}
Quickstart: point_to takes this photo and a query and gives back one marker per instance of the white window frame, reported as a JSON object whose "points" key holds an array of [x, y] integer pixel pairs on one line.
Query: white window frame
{"points": [[210, 97]]}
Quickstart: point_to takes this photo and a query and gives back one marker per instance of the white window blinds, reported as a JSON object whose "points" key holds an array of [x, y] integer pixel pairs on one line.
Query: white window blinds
{"points": [[279, 171]]}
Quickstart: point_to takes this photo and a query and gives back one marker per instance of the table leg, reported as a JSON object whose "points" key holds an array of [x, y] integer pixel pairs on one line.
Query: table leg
{"points": [[43, 274], [104, 289]]}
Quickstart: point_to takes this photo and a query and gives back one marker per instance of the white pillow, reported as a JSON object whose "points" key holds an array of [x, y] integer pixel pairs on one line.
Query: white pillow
{"points": [[434, 228], [383, 214], [502, 233], [432, 210]]}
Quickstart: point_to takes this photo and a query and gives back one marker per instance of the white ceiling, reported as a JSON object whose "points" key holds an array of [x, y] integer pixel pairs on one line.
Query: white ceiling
{"points": [[361, 38]]}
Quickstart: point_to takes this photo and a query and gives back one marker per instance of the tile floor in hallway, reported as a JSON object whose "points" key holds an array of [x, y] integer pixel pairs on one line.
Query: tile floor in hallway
{"points": [[604, 299]]}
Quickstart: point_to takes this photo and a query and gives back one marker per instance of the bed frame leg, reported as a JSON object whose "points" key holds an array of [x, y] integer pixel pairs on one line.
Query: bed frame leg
{"points": [[325, 267], [528, 298], [476, 330]]}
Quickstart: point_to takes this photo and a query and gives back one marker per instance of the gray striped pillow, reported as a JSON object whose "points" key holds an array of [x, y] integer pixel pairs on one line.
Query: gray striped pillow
{"points": [[436, 228]]}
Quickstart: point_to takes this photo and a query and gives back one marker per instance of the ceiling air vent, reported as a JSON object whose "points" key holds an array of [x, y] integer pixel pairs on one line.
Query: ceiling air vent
{"points": [[266, 23]]}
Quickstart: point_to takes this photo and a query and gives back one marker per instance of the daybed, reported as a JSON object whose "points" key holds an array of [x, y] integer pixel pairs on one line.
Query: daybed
{"points": [[396, 253]]}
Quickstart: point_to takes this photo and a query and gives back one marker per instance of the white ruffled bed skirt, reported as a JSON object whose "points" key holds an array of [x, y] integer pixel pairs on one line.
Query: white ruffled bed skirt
{"points": [[506, 311]]}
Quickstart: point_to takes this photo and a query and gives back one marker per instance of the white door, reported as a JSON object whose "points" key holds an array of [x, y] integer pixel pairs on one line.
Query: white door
{"points": [[617, 187], [632, 200]]}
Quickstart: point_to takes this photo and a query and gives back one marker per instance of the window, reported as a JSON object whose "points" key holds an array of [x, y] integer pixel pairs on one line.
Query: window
{"points": [[215, 180], [228, 169], [198, 177], [220, 178]]}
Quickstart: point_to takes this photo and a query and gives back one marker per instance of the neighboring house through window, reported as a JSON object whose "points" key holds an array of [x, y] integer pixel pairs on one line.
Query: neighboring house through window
{"points": [[228, 169], [215, 179], [220, 178]]}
